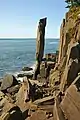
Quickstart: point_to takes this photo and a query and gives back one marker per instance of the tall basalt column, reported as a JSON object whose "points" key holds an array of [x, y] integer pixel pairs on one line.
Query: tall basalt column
{"points": [[61, 41], [40, 43]]}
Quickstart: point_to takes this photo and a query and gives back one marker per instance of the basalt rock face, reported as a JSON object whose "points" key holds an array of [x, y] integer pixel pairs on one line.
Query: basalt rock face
{"points": [[69, 48], [67, 69], [71, 102]]}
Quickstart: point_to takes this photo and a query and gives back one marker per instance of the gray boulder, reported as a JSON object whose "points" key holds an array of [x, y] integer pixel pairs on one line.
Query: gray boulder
{"points": [[26, 69], [8, 81], [13, 89]]}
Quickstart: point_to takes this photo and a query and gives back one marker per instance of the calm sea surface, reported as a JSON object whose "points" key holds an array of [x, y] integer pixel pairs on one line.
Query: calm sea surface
{"points": [[17, 53]]}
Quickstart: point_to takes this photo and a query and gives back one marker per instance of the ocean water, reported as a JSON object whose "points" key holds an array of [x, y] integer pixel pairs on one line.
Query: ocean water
{"points": [[17, 53]]}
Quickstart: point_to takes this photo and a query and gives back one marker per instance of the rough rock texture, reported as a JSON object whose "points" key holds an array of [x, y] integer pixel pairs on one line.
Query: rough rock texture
{"points": [[57, 111], [68, 67], [39, 115], [40, 42], [8, 110], [71, 102], [45, 100], [8, 81], [54, 77], [13, 114], [23, 95], [64, 78], [5, 103], [14, 89], [69, 49]]}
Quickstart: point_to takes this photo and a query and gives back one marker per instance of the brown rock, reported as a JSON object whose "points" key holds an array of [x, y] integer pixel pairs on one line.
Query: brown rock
{"points": [[38, 115], [40, 42], [71, 102], [51, 57], [51, 64], [70, 73], [23, 95], [14, 89], [5, 105], [61, 41], [45, 101], [54, 77], [12, 114], [57, 112]]}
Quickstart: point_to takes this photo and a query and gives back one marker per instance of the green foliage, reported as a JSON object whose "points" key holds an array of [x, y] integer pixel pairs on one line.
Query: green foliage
{"points": [[72, 3]]}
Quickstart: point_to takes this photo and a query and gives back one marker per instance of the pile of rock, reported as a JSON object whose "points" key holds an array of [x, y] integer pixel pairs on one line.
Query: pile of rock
{"points": [[20, 99]]}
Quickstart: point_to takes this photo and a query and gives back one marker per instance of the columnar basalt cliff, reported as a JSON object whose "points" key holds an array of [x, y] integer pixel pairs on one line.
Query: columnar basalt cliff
{"points": [[69, 54], [66, 71]]}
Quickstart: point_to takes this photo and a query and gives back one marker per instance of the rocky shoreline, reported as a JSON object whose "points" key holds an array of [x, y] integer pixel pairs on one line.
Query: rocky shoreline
{"points": [[22, 97], [55, 94]]}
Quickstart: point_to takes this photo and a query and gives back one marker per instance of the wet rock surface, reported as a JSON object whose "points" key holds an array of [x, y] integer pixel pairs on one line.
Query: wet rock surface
{"points": [[26, 69]]}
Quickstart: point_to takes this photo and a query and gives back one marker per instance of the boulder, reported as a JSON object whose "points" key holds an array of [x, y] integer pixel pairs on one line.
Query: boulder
{"points": [[40, 84], [8, 81], [5, 103], [44, 101], [26, 69], [12, 114], [22, 97], [14, 89], [38, 115], [25, 74], [71, 101], [51, 57]]}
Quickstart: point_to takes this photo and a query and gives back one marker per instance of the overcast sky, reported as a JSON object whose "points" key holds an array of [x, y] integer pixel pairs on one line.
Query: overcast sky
{"points": [[19, 18]]}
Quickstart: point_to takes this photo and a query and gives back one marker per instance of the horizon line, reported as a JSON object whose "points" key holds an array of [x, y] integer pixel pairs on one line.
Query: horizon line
{"points": [[26, 38]]}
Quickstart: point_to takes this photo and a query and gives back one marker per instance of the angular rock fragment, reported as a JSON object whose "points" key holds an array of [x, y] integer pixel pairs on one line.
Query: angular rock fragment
{"points": [[45, 100], [13, 114], [38, 115], [8, 81], [14, 89]]}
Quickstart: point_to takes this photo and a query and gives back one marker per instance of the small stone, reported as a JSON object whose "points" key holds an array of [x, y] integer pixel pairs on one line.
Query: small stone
{"points": [[26, 69]]}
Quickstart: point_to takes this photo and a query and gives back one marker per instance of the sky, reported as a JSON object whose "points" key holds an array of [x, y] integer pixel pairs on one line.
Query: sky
{"points": [[19, 18]]}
